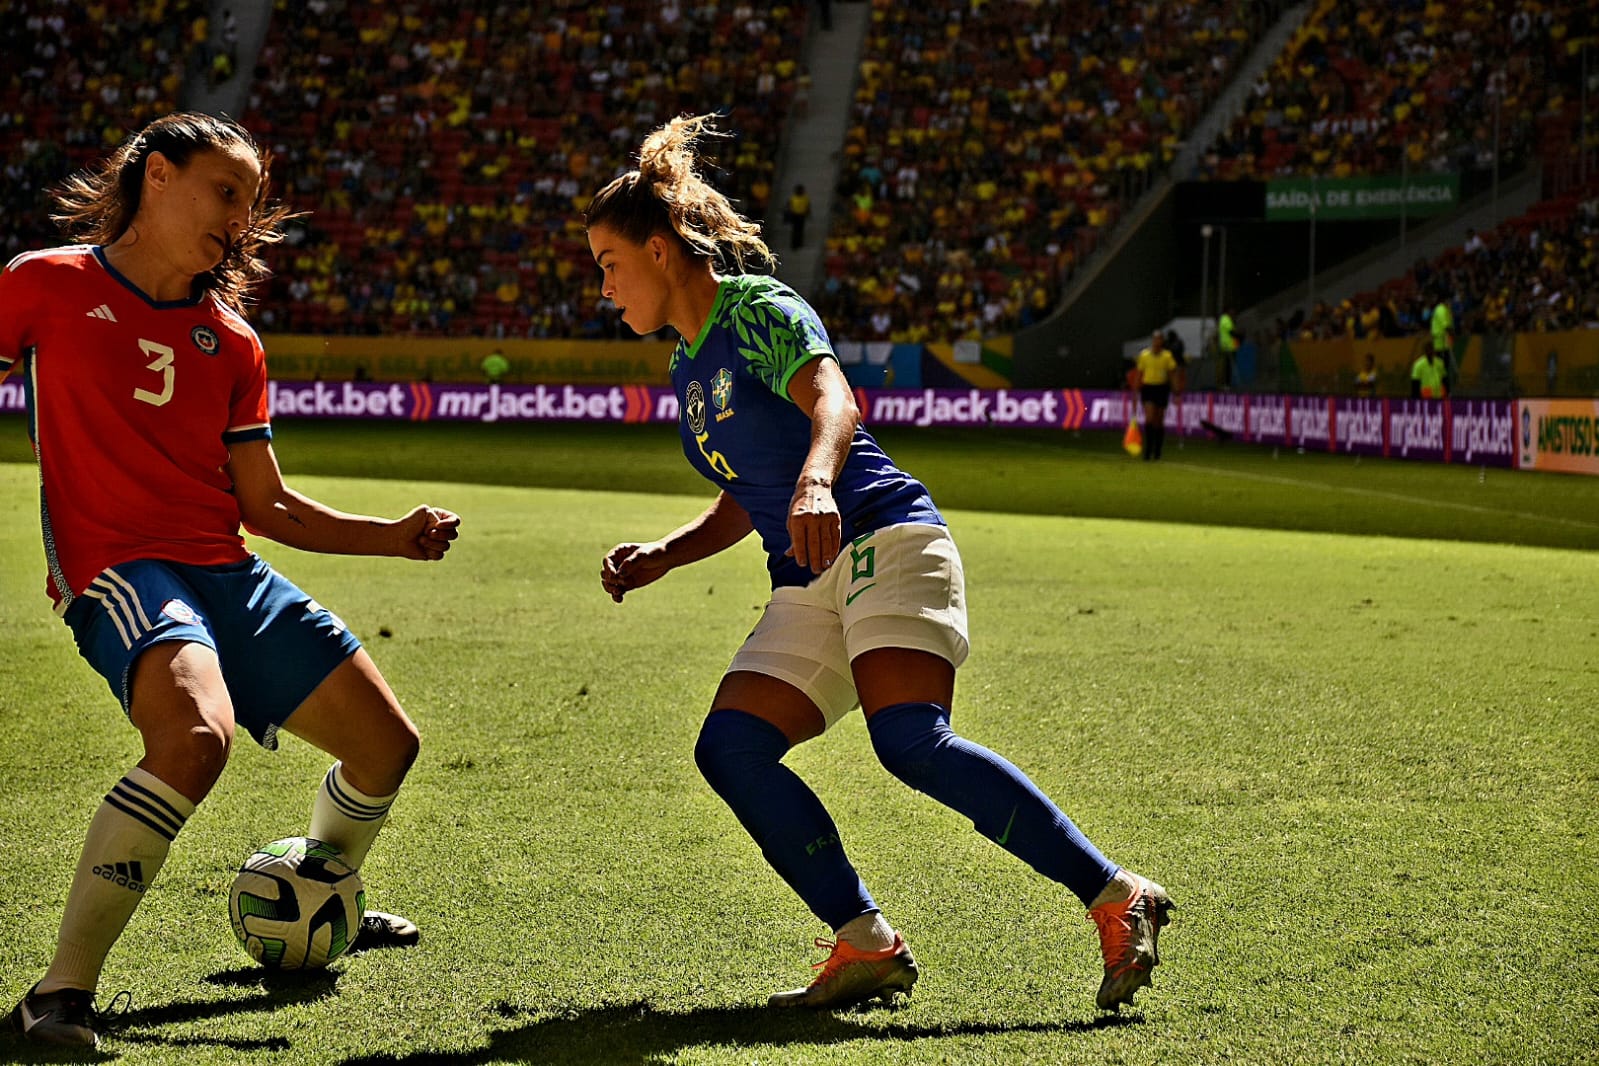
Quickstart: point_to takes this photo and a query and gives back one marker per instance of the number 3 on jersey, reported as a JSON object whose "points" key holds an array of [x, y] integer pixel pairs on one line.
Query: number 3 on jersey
{"points": [[162, 364], [717, 460]]}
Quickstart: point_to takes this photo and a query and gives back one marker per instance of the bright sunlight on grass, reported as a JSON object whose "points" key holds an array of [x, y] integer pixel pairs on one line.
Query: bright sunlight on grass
{"points": [[1364, 766]]}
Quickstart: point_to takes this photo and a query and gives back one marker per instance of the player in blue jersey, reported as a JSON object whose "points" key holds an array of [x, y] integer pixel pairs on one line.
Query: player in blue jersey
{"points": [[868, 601]]}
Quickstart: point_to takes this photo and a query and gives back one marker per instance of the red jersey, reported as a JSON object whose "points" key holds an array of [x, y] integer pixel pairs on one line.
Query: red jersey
{"points": [[132, 404]]}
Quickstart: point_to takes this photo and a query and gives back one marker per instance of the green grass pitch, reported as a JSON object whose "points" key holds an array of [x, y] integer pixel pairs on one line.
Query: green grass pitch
{"points": [[1345, 712]]}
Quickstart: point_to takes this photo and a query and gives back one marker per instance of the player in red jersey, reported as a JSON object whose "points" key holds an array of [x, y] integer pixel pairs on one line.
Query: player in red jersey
{"points": [[148, 415]]}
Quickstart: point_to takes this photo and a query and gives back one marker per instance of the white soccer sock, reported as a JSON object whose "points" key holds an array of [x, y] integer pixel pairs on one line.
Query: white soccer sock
{"points": [[346, 817], [127, 842], [868, 932]]}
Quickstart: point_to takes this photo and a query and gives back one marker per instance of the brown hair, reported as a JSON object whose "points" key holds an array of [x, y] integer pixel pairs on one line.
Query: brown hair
{"points": [[98, 206], [666, 194]]}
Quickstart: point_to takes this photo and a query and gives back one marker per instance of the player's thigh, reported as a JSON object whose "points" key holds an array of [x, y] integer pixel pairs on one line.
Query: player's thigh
{"points": [[354, 716], [277, 644], [904, 616], [177, 689], [793, 669], [888, 676], [771, 700], [147, 629], [129, 610], [180, 705]]}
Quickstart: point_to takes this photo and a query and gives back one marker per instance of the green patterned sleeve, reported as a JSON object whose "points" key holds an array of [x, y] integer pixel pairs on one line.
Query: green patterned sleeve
{"points": [[777, 334]]}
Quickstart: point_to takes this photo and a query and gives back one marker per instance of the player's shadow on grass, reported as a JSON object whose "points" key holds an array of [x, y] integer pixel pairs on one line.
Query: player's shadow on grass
{"points": [[640, 1033], [274, 990]]}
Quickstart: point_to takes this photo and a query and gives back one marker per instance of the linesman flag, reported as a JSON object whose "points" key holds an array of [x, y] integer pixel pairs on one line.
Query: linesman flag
{"points": [[1133, 439]]}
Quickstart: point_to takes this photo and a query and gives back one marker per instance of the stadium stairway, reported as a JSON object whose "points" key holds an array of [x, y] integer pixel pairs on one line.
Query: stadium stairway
{"points": [[1235, 98], [812, 141], [251, 18], [1080, 342], [1228, 106]]}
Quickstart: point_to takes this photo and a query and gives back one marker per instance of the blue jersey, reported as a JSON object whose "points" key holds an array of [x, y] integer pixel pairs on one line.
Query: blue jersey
{"points": [[742, 431]]}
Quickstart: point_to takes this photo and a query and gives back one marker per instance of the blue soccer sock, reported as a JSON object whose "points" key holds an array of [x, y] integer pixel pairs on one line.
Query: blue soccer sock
{"points": [[915, 743], [740, 754]]}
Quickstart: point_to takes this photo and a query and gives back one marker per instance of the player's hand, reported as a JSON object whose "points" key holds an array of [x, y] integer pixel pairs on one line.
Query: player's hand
{"points": [[815, 527], [426, 533], [630, 566]]}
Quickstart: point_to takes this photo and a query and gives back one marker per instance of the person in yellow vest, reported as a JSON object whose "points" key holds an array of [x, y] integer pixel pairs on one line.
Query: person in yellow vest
{"points": [[1157, 371], [795, 214], [495, 366], [1442, 322], [1429, 376], [1226, 347], [1443, 329]]}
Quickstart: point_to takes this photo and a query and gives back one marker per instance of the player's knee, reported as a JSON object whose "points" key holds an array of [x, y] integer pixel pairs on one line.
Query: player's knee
{"points": [[906, 738], [211, 746], [190, 759], [735, 747], [407, 741], [405, 747], [382, 764]]}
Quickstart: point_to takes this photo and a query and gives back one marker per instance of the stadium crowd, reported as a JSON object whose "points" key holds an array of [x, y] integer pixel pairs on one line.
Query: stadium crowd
{"points": [[1420, 84], [1537, 273], [445, 186], [993, 143], [78, 77]]}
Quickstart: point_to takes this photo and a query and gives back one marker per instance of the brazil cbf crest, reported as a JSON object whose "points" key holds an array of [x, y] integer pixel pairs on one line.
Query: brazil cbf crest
{"points": [[694, 407], [205, 339], [722, 393]]}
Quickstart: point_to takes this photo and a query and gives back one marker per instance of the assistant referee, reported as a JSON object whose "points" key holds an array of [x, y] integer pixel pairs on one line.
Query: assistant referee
{"points": [[1157, 371]]}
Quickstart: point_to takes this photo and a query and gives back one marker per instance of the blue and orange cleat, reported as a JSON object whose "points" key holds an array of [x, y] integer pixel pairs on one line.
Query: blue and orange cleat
{"points": [[1128, 935], [850, 976]]}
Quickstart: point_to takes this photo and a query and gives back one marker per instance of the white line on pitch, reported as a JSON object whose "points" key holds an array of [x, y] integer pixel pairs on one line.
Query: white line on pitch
{"points": [[1401, 497]]}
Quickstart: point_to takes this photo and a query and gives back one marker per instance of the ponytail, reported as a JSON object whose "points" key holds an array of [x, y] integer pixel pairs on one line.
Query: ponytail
{"points": [[666, 194]]}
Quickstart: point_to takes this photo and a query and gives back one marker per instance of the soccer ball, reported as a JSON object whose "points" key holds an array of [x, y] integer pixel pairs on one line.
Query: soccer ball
{"points": [[295, 904]]}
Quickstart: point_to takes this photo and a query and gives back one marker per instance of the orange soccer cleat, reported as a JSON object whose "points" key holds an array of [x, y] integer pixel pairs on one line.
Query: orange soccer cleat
{"points": [[850, 976], [1128, 931]]}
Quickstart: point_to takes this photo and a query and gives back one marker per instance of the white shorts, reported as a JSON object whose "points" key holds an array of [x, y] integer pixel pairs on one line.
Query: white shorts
{"points": [[899, 587]]}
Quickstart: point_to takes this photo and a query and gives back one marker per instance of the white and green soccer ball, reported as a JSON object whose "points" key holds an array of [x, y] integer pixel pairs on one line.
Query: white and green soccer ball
{"points": [[295, 904]]}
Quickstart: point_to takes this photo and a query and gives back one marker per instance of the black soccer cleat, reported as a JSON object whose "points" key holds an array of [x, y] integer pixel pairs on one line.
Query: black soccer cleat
{"points": [[65, 1018], [380, 930]]}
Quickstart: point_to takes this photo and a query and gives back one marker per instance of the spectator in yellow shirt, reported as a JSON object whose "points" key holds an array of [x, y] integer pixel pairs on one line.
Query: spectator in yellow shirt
{"points": [[1366, 379]]}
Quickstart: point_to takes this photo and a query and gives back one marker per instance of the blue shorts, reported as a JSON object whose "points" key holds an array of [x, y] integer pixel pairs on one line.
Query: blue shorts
{"points": [[275, 643]]}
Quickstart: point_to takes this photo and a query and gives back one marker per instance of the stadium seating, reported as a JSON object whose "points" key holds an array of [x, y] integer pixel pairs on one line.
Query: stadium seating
{"points": [[83, 76], [1375, 88], [994, 143], [445, 184], [1536, 273], [991, 146], [442, 184]]}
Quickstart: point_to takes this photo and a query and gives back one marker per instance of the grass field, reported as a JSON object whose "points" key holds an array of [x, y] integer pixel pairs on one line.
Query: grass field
{"points": [[1345, 713]]}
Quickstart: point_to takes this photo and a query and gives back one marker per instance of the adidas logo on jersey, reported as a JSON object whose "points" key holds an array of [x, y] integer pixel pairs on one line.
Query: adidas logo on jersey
{"points": [[103, 312]]}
